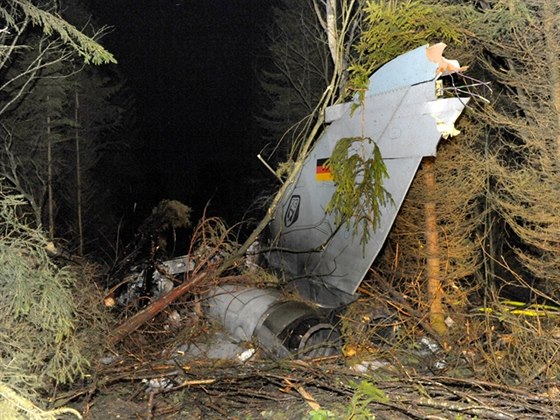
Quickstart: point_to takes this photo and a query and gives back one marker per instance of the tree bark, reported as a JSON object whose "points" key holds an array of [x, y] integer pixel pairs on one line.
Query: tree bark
{"points": [[434, 288]]}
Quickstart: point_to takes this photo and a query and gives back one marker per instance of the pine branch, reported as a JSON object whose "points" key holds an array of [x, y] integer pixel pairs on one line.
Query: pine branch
{"points": [[87, 47]]}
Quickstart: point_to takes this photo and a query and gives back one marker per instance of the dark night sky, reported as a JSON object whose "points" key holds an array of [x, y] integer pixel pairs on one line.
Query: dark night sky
{"points": [[191, 66]]}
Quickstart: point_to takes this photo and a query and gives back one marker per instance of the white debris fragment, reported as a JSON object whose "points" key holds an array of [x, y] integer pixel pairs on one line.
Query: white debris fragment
{"points": [[246, 355], [251, 256], [446, 129], [157, 384], [163, 285], [173, 320], [449, 322], [430, 344], [109, 359], [440, 364], [369, 365]]}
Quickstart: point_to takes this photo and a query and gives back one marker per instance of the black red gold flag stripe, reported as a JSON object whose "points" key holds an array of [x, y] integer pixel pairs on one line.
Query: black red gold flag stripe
{"points": [[323, 173]]}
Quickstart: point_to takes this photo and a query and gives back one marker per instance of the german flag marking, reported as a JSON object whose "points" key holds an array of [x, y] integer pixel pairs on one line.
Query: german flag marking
{"points": [[323, 173]]}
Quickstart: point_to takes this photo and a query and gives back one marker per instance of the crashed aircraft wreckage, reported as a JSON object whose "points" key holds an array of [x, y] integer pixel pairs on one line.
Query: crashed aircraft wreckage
{"points": [[406, 115]]}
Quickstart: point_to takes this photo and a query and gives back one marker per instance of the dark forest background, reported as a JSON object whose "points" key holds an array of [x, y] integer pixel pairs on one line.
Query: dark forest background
{"points": [[192, 72]]}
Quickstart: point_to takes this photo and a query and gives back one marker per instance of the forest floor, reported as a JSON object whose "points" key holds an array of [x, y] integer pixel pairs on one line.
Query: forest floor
{"points": [[398, 386], [491, 365], [496, 361]]}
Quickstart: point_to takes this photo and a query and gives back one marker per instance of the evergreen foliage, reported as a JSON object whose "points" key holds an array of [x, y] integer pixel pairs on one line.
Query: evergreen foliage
{"points": [[51, 147], [96, 119], [35, 122], [359, 190], [15, 407], [391, 27], [88, 48], [524, 122], [42, 339], [38, 334], [297, 76]]}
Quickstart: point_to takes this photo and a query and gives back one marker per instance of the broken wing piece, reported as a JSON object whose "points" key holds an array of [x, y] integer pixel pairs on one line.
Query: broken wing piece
{"points": [[445, 66]]}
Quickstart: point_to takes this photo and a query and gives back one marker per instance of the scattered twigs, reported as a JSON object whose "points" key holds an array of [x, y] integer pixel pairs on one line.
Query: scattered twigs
{"points": [[308, 398], [482, 411], [473, 397], [397, 297], [230, 387]]}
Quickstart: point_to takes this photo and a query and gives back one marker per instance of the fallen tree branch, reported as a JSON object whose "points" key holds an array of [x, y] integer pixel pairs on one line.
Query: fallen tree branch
{"points": [[307, 397], [485, 412], [154, 308], [22, 404], [196, 382]]}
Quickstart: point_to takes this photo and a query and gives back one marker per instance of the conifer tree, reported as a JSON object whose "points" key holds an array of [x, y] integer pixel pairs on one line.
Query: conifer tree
{"points": [[96, 116], [35, 126], [42, 130], [292, 85], [41, 339], [522, 39]]}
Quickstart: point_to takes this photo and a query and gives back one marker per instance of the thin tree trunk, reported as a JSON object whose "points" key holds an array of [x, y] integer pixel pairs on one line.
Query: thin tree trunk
{"points": [[488, 230], [552, 51], [332, 33], [78, 177], [50, 199], [435, 290]]}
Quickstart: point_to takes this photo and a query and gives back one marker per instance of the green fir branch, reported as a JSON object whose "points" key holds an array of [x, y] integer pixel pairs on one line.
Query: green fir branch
{"points": [[88, 48], [393, 27], [359, 193], [38, 329]]}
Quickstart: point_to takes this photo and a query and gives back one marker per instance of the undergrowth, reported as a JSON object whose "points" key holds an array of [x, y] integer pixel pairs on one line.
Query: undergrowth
{"points": [[46, 334]]}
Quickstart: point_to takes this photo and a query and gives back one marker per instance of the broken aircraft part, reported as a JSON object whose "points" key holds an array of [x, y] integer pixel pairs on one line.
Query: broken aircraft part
{"points": [[405, 117], [151, 280], [281, 328]]}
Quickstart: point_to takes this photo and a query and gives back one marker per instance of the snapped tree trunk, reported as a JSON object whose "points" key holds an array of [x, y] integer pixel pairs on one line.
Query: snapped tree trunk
{"points": [[433, 274]]}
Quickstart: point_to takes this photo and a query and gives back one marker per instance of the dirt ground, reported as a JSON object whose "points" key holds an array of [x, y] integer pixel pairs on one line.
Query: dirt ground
{"points": [[318, 389], [185, 405]]}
